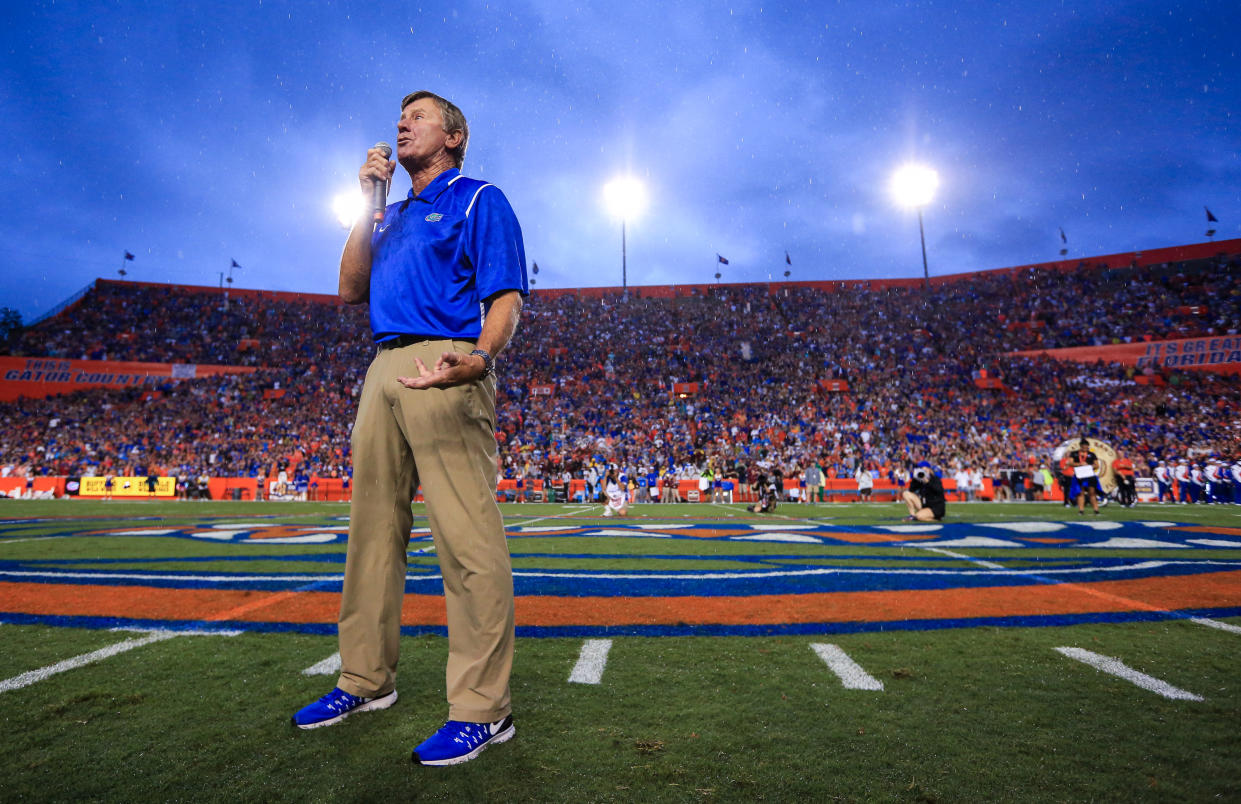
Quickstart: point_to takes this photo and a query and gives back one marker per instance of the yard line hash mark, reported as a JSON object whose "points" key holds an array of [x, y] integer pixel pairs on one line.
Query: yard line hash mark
{"points": [[591, 661], [1117, 668], [327, 667], [850, 673]]}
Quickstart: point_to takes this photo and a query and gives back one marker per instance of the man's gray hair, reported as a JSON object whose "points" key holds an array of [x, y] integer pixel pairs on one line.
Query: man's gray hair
{"points": [[454, 120]]}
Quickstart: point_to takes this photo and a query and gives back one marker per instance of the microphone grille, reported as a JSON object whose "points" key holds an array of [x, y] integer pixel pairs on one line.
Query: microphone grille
{"points": [[385, 149]]}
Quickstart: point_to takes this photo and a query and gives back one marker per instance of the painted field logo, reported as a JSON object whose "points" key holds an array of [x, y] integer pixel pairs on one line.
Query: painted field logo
{"points": [[696, 577], [434, 217]]}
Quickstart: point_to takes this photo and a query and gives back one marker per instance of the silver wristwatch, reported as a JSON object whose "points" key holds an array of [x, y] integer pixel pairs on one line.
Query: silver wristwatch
{"points": [[489, 363]]}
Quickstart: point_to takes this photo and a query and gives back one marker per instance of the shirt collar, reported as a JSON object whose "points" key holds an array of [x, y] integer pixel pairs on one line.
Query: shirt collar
{"points": [[437, 186]]}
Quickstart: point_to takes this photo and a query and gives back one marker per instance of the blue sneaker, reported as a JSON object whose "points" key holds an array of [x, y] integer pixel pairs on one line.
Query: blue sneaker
{"points": [[336, 706], [458, 742]]}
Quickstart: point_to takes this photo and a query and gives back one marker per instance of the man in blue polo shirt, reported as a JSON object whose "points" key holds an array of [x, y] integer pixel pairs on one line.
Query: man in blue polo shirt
{"points": [[444, 273]]}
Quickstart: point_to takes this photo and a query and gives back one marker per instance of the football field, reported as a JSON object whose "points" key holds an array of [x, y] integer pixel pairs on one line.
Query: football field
{"points": [[1017, 651]]}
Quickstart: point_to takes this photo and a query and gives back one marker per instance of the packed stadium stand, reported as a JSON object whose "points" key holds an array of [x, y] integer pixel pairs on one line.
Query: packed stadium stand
{"points": [[745, 379]]}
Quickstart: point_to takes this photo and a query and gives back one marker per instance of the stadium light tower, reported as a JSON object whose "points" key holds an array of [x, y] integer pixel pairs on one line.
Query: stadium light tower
{"points": [[625, 198], [914, 186]]}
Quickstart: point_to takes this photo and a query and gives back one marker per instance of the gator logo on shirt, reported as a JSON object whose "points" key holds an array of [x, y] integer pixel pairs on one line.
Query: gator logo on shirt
{"points": [[434, 217]]}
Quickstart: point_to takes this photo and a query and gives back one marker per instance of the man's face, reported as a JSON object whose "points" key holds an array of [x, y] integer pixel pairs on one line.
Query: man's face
{"points": [[420, 133]]}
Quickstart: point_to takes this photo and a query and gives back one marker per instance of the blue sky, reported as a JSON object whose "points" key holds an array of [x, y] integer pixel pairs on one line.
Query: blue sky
{"points": [[196, 134]]}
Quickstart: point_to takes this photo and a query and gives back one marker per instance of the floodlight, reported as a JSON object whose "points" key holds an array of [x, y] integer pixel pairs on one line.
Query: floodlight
{"points": [[625, 197], [914, 185], [348, 207]]}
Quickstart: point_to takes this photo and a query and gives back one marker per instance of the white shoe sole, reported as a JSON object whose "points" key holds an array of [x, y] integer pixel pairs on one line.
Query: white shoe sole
{"points": [[383, 702], [502, 737]]}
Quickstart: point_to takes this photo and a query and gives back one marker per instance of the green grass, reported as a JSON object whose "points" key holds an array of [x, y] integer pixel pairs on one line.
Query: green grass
{"points": [[970, 714], [967, 714]]}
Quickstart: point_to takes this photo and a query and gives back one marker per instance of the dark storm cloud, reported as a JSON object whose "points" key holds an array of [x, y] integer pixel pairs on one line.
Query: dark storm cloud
{"points": [[198, 133]]}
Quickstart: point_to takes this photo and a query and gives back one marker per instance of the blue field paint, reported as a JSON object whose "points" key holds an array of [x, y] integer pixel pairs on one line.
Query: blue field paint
{"points": [[788, 567]]}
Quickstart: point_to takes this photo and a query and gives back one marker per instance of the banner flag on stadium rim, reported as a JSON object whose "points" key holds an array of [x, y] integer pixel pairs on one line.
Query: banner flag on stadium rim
{"points": [[787, 260], [1211, 218], [128, 256], [720, 259], [234, 265]]}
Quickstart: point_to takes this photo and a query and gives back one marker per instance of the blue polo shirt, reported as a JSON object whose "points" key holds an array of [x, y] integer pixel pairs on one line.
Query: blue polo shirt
{"points": [[437, 256]]}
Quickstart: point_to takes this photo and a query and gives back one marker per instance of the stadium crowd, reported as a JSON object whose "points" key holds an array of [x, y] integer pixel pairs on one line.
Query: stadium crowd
{"points": [[733, 380]]}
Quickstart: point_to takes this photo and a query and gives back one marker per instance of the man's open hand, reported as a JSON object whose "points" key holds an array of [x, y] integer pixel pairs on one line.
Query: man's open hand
{"points": [[453, 368]]}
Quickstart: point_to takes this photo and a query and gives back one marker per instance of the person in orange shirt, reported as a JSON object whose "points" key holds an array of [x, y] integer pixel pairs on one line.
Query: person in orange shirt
{"points": [[1066, 478], [1125, 487]]}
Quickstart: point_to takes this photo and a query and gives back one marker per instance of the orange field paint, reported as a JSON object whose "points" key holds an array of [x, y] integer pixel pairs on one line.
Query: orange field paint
{"points": [[881, 538], [1212, 590], [1216, 530]]}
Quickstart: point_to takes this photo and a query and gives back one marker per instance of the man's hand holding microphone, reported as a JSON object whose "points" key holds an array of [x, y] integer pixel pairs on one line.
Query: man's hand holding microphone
{"points": [[375, 177]]}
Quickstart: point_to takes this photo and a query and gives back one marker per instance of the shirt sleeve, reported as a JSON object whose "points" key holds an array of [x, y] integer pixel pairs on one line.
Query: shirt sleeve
{"points": [[494, 245]]}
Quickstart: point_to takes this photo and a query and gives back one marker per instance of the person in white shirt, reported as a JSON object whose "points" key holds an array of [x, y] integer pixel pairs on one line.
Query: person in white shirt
{"points": [[1163, 479], [1215, 482], [617, 495], [962, 478], [865, 482], [1184, 486], [1199, 484], [975, 482]]}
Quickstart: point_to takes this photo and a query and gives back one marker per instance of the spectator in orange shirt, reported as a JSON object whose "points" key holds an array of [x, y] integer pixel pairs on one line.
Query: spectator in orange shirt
{"points": [[1125, 487]]}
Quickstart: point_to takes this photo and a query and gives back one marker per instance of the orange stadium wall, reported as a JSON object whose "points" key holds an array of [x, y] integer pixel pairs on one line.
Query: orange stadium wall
{"points": [[1158, 256], [1216, 353], [39, 377], [16, 486]]}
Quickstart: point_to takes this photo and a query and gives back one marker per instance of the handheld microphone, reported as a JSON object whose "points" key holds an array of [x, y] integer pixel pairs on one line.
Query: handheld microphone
{"points": [[379, 200]]}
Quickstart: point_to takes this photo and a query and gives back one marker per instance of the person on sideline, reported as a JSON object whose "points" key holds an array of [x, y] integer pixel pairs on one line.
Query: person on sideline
{"points": [[616, 495], [925, 496], [426, 417], [865, 482], [814, 483], [1085, 482]]}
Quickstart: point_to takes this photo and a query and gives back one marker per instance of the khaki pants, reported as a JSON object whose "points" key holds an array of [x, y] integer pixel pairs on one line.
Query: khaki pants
{"points": [[443, 439]]}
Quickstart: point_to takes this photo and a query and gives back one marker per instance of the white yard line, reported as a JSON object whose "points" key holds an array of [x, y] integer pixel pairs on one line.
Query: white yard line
{"points": [[32, 539], [328, 667], [1216, 624], [963, 557], [1044, 575], [577, 509], [850, 673], [591, 661], [1119, 669], [35, 676]]}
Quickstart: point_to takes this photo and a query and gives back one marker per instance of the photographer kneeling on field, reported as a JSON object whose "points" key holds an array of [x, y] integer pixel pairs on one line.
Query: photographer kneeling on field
{"points": [[925, 496], [768, 493]]}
